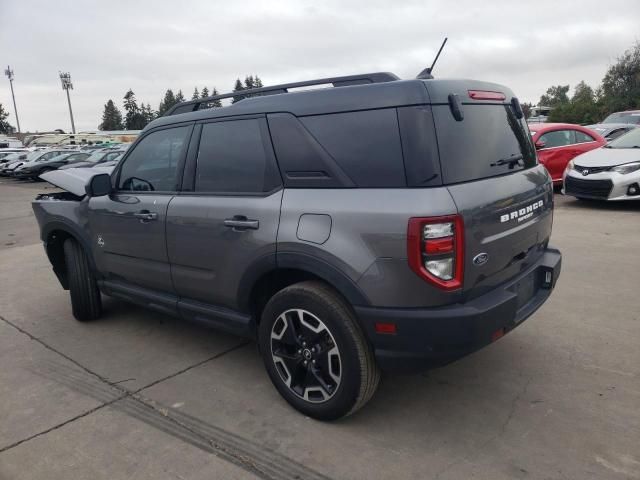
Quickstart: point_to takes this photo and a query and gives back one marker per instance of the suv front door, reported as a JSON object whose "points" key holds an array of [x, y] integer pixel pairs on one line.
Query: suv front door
{"points": [[224, 222], [128, 226]]}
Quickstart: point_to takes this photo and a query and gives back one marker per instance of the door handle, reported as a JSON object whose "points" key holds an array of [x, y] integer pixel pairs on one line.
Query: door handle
{"points": [[240, 222], [146, 216]]}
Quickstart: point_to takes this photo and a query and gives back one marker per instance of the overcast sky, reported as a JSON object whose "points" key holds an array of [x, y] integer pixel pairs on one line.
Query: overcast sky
{"points": [[149, 46]]}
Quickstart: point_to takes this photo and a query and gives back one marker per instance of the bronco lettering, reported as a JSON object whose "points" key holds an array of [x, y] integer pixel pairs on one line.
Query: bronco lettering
{"points": [[522, 213]]}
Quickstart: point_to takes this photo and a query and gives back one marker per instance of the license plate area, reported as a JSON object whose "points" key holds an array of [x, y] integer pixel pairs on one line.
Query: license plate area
{"points": [[526, 289]]}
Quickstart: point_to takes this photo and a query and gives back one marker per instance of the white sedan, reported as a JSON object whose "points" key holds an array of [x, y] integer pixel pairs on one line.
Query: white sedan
{"points": [[611, 172]]}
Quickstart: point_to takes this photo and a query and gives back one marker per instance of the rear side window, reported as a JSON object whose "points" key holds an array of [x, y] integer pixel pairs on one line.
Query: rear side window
{"points": [[232, 159], [365, 145], [486, 143], [582, 137], [558, 138], [153, 163]]}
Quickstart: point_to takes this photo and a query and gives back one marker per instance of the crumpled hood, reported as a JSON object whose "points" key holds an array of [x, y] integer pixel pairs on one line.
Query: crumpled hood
{"points": [[608, 157], [73, 180]]}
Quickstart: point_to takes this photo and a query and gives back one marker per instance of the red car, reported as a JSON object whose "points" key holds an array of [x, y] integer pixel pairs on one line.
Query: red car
{"points": [[558, 143]]}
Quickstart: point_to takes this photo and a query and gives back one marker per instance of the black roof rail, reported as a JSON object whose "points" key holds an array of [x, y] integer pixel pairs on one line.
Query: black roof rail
{"points": [[377, 77]]}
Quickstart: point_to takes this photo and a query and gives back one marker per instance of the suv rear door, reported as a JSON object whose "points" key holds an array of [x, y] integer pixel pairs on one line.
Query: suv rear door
{"points": [[223, 224], [128, 226], [489, 165]]}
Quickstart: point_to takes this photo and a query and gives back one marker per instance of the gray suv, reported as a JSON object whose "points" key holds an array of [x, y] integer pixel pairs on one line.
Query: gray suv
{"points": [[381, 224]]}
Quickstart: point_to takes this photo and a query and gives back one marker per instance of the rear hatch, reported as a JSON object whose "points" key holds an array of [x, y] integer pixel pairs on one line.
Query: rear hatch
{"points": [[489, 166]]}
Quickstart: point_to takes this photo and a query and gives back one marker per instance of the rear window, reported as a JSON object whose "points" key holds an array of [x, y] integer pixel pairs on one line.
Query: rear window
{"points": [[483, 143]]}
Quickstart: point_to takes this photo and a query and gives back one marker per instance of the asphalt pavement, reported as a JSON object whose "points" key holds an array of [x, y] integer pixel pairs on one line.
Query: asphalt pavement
{"points": [[139, 395]]}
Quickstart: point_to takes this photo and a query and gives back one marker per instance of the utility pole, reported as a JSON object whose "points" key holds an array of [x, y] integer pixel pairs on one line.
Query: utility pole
{"points": [[9, 73], [65, 78]]}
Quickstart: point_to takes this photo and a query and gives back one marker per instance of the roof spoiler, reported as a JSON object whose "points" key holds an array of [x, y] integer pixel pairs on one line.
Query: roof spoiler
{"points": [[193, 105]]}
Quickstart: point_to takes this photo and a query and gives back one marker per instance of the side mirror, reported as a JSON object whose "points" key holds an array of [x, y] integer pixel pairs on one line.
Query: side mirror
{"points": [[540, 144], [99, 185]]}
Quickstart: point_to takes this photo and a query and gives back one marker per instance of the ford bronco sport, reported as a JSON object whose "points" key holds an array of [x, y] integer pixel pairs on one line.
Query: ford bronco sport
{"points": [[381, 224]]}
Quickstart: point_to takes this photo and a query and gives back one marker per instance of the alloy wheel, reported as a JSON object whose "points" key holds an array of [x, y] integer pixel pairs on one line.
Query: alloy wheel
{"points": [[306, 355]]}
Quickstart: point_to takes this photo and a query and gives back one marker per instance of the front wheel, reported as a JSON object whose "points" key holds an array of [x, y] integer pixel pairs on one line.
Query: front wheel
{"points": [[83, 289], [315, 352]]}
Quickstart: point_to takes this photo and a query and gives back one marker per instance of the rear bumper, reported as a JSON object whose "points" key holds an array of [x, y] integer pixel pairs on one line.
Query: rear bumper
{"points": [[432, 337]]}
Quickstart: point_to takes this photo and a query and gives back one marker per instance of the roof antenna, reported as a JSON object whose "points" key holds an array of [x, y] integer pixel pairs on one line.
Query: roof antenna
{"points": [[426, 73]]}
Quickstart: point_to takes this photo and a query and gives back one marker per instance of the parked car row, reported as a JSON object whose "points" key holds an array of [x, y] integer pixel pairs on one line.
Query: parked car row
{"points": [[608, 153], [32, 164]]}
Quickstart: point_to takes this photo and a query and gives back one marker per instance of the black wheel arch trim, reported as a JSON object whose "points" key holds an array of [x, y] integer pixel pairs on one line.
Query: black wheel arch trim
{"points": [[74, 232], [327, 272], [304, 262]]}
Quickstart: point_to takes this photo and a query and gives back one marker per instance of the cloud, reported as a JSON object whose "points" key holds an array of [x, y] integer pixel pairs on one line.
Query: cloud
{"points": [[150, 46]]}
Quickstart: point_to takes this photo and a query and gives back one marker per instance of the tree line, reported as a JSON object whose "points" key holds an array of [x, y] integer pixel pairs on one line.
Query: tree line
{"points": [[5, 126], [619, 90], [137, 116]]}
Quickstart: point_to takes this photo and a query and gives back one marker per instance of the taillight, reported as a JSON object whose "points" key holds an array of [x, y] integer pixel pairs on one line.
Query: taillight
{"points": [[486, 95], [435, 248]]}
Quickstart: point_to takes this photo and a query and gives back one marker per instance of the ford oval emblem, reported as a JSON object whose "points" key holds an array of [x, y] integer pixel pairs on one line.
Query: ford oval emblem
{"points": [[480, 259]]}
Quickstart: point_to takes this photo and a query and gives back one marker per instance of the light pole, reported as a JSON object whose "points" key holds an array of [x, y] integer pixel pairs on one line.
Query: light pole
{"points": [[65, 78], [9, 73]]}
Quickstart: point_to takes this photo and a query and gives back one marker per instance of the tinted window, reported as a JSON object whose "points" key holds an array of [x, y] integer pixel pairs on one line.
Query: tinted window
{"points": [[110, 156], [232, 158], [582, 137], [474, 147], [558, 138], [366, 145], [629, 140], [616, 133], [48, 156], [152, 165], [623, 117]]}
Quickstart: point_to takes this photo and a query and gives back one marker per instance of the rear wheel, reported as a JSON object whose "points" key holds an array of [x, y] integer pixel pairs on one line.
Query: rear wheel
{"points": [[315, 352], [83, 289]]}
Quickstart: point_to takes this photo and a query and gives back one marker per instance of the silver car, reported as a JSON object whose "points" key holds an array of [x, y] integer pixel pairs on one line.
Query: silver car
{"points": [[608, 173]]}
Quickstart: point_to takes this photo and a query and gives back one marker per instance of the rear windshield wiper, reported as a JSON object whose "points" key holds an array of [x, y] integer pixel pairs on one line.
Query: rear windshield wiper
{"points": [[512, 161]]}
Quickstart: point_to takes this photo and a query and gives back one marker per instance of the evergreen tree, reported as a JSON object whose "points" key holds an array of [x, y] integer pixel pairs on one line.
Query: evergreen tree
{"points": [[133, 119], [179, 97], [111, 117], [196, 94], [251, 82], [5, 127], [148, 115], [215, 103], [167, 102], [205, 93], [237, 88]]}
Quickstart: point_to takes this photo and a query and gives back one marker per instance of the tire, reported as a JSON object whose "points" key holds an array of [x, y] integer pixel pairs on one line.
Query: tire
{"points": [[83, 289], [309, 322]]}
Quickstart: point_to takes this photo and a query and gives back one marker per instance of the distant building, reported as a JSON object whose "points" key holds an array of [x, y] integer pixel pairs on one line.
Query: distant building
{"points": [[539, 114]]}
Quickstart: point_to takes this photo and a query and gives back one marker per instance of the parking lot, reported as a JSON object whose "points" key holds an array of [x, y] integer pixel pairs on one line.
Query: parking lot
{"points": [[141, 395]]}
